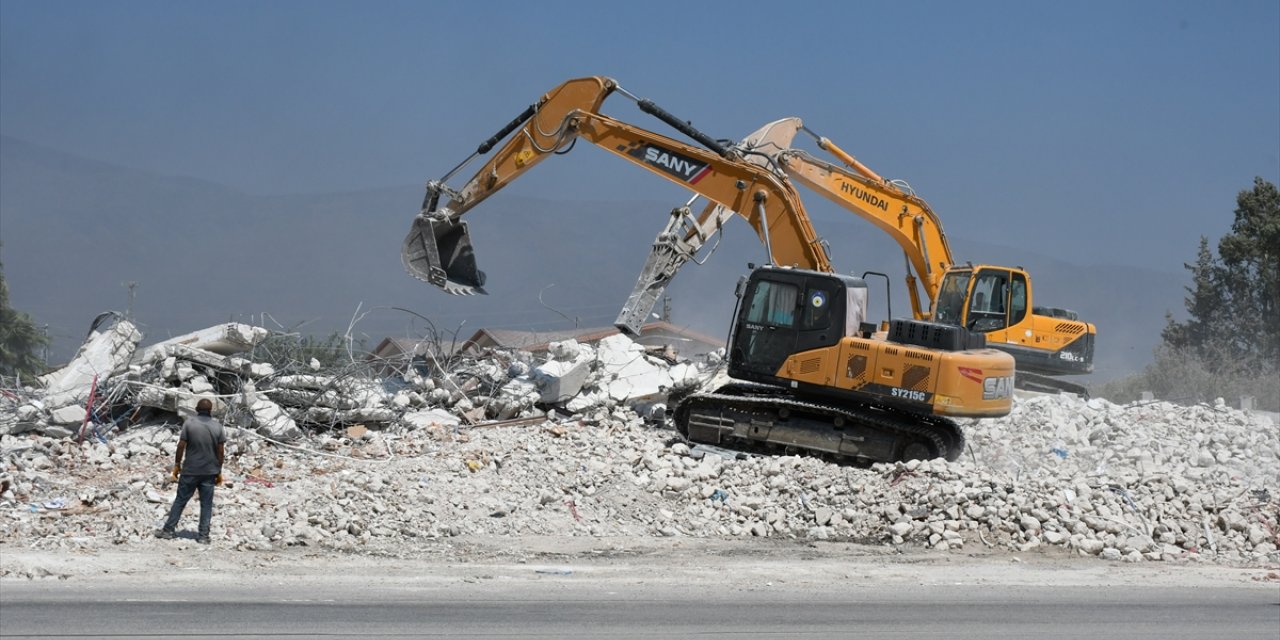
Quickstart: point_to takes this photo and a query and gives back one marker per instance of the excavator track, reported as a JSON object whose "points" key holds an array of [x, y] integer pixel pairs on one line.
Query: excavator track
{"points": [[745, 414]]}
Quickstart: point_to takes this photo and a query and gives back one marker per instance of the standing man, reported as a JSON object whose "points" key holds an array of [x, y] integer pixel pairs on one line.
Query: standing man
{"points": [[203, 442]]}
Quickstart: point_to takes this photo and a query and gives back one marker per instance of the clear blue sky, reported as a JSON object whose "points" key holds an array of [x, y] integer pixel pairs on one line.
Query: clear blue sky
{"points": [[1103, 131]]}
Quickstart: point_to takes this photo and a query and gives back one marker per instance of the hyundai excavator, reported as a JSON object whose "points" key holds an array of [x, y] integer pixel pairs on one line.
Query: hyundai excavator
{"points": [[809, 375], [995, 301]]}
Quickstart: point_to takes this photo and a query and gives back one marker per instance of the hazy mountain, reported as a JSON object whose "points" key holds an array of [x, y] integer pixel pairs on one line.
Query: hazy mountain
{"points": [[74, 231]]}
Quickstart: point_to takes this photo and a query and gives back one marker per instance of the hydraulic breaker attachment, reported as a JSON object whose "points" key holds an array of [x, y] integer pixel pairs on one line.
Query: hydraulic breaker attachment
{"points": [[661, 266], [438, 251], [677, 243], [670, 251]]}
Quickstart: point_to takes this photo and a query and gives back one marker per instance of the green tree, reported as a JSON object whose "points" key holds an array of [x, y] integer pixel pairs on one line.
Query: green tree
{"points": [[1205, 302], [1234, 300], [20, 340], [1251, 260]]}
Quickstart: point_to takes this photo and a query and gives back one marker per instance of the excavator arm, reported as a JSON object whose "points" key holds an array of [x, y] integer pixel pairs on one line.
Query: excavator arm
{"points": [[438, 248], [888, 205]]}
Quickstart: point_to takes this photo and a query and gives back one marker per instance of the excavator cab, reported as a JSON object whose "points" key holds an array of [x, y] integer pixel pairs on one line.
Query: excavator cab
{"points": [[823, 385], [996, 302], [785, 311]]}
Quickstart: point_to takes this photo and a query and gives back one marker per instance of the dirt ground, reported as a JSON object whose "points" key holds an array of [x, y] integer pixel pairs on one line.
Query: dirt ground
{"points": [[735, 565]]}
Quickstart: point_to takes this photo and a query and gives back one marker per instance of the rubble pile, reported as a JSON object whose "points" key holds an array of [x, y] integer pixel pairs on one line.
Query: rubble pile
{"points": [[1140, 483], [573, 443], [110, 384]]}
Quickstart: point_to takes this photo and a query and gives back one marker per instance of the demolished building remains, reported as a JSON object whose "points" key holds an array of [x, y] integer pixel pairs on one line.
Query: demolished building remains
{"points": [[572, 442]]}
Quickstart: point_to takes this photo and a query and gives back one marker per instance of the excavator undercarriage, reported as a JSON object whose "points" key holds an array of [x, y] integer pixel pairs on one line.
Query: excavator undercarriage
{"points": [[746, 414]]}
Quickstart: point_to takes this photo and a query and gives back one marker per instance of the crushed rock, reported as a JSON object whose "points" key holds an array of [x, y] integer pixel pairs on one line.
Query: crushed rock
{"points": [[1153, 482]]}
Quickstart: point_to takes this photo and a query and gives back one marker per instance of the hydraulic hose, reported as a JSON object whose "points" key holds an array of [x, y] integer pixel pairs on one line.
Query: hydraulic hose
{"points": [[707, 141], [511, 126]]}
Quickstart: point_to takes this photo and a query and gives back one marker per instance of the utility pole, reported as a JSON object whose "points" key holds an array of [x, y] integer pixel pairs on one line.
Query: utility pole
{"points": [[132, 285]]}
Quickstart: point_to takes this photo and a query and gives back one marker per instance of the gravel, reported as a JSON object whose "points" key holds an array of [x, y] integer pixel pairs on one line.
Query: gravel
{"points": [[1135, 483]]}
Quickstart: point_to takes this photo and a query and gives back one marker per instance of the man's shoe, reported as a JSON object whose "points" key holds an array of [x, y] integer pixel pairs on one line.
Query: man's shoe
{"points": [[204, 540], [165, 534]]}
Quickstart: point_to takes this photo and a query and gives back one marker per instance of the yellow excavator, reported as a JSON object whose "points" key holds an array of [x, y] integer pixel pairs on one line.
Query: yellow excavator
{"points": [[810, 375], [996, 301]]}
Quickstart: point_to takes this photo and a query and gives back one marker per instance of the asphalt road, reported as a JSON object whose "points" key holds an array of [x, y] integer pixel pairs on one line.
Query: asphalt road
{"points": [[567, 611]]}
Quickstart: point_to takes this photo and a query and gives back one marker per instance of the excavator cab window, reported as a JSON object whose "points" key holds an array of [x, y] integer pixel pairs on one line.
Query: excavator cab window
{"points": [[1018, 299], [987, 301], [774, 304], [951, 297], [769, 325], [817, 308]]}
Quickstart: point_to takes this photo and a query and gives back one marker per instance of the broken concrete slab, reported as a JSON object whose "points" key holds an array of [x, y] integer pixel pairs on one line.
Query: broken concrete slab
{"points": [[104, 354], [223, 339], [327, 416], [563, 376], [628, 373], [70, 414], [308, 398], [200, 385], [430, 417], [156, 398], [365, 392], [269, 418], [186, 356], [516, 396], [306, 382], [686, 376]]}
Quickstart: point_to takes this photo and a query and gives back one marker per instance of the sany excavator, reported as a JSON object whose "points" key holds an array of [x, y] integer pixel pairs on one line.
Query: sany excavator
{"points": [[811, 376], [995, 301]]}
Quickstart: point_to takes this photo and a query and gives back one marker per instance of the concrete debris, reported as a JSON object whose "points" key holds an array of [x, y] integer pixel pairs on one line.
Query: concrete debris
{"points": [[224, 339], [269, 418], [70, 414], [103, 354], [561, 378], [166, 379], [573, 444], [629, 375], [428, 418]]}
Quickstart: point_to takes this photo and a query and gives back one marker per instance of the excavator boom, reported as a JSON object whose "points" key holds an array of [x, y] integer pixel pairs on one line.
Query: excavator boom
{"points": [[906, 218], [438, 248]]}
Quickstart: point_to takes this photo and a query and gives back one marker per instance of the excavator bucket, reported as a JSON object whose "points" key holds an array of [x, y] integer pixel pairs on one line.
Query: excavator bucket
{"points": [[439, 252]]}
